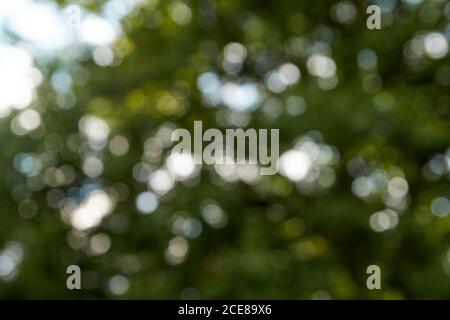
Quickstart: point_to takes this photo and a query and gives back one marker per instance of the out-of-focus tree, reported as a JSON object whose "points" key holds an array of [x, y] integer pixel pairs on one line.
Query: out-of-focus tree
{"points": [[87, 176]]}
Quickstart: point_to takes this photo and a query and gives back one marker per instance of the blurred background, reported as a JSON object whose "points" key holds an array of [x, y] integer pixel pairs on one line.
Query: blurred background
{"points": [[90, 92]]}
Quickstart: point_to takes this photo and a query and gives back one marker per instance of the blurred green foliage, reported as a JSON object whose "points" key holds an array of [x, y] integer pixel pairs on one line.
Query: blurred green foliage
{"points": [[280, 240]]}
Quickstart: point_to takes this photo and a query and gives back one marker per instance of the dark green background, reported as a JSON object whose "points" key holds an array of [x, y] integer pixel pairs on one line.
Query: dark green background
{"points": [[252, 256]]}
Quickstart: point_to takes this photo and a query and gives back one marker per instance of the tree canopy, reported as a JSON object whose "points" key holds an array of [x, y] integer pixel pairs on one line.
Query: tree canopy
{"points": [[87, 178]]}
